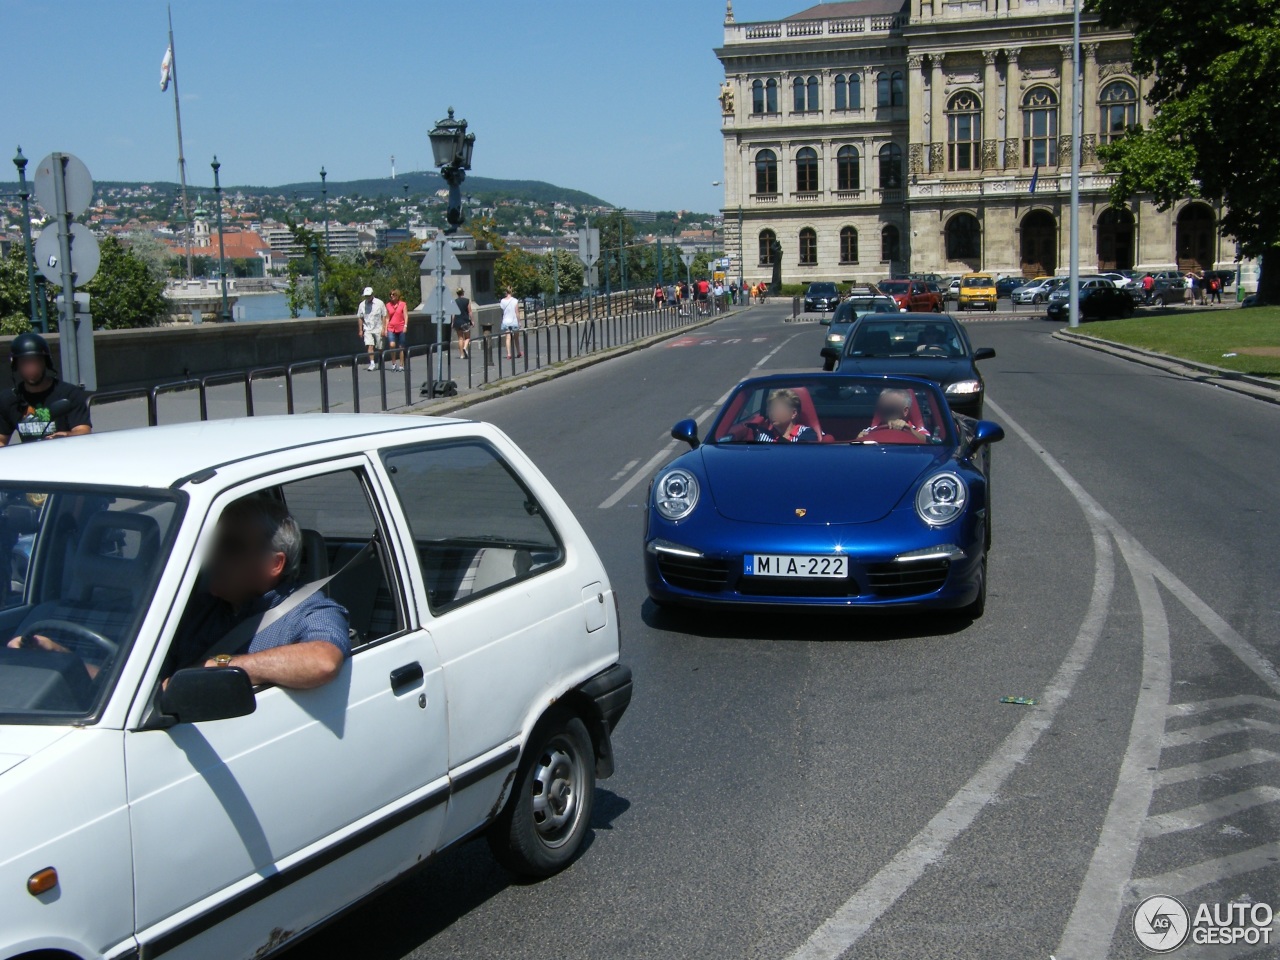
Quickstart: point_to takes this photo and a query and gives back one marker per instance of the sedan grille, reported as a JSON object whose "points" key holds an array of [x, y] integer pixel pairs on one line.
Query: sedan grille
{"points": [[693, 573], [893, 580]]}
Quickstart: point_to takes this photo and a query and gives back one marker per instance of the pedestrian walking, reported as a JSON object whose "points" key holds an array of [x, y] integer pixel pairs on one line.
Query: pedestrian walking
{"points": [[1148, 288], [397, 327], [511, 325], [659, 297], [719, 295], [1189, 289], [462, 324], [1215, 288], [371, 324]]}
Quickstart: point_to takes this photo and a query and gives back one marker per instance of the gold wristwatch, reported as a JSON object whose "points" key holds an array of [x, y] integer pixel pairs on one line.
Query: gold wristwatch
{"points": [[223, 659]]}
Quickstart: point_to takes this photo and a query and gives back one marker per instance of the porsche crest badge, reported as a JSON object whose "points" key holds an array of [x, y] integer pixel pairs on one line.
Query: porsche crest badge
{"points": [[801, 511]]}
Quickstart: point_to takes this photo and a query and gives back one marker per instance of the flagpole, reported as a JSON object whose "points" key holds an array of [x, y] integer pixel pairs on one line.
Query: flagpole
{"points": [[182, 162]]}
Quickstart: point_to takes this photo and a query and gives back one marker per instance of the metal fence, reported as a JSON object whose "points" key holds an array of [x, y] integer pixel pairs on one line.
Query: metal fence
{"points": [[550, 336]]}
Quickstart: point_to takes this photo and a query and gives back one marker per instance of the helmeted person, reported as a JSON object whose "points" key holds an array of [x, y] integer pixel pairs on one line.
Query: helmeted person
{"points": [[27, 407]]}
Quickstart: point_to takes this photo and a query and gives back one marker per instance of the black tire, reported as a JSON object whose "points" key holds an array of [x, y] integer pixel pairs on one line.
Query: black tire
{"points": [[978, 607], [1036, 300], [545, 821]]}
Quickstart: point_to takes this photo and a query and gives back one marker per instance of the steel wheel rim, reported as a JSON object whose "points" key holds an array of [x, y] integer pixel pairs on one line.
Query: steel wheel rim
{"points": [[558, 785]]}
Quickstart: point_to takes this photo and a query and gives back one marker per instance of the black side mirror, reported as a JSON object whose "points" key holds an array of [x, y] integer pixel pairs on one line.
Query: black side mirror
{"points": [[687, 432], [984, 432], [197, 694], [830, 353], [984, 353]]}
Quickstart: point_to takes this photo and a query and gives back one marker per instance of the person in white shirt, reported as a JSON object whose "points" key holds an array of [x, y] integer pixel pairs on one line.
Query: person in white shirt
{"points": [[371, 323], [511, 325]]}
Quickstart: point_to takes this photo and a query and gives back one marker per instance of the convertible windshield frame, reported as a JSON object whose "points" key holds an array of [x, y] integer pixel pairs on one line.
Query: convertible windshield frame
{"points": [[174, 505]]}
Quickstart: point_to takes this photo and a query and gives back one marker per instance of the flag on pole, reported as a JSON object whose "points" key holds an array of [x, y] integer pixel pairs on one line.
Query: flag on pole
{"points": [[1035, 175], [166, 69]]}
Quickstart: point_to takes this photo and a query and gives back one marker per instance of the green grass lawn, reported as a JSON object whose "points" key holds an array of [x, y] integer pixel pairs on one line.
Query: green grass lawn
{"points": [[1204, 336]]}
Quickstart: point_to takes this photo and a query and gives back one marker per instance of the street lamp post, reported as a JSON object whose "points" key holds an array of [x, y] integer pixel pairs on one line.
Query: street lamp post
{"points": [[38, 319], [451, 148], [324, 202], [315, 274], [225, 315]]}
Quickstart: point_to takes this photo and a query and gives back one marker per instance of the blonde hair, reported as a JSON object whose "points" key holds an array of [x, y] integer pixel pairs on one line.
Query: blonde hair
{"points": [[787, 395], [460, 292]]}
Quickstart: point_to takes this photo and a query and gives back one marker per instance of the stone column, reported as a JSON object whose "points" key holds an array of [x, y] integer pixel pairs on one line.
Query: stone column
{"points": [[1012, 111], [1091, 123], [916, 138], [1066, 103], [990, 109], [937, 114]]}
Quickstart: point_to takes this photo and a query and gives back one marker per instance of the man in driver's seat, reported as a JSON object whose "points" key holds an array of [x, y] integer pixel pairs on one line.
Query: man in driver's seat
{"points": [[254, 568]]}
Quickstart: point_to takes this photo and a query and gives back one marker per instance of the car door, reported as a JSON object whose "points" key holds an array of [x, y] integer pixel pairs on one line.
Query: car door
{"points": [[249, 830], [515, 613]]}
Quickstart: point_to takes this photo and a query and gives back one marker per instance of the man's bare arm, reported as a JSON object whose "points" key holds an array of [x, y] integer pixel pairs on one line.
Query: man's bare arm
{"points": [[298, 666]]}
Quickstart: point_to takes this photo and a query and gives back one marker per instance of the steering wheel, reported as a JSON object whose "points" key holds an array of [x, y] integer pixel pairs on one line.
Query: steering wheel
{"points": [[108, 647], [885, 434]]}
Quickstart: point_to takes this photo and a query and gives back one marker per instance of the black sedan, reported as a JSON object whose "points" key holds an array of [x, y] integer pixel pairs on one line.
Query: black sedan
{"points": [[1006, 285], [929, 345], [821, 297], [1096, 303]]}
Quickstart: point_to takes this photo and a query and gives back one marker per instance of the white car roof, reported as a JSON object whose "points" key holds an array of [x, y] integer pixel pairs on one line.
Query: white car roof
{"points": [[160, 456]]}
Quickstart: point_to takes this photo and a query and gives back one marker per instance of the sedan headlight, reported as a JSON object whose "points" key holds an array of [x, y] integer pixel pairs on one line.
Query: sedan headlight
{"points": [[964, 388], [835, 338], [941, 499], [676, 494]]}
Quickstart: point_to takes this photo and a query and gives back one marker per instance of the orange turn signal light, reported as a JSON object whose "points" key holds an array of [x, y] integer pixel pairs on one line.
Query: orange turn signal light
{"points": [[42, 881]]}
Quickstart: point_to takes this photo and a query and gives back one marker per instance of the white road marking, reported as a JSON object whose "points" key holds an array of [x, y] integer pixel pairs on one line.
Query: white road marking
{"points": [[1189, 818], [1178, 882], [774, 352], [656, 459], [1221, 703], [1223, 728], [624, 471], [1209, 768]]}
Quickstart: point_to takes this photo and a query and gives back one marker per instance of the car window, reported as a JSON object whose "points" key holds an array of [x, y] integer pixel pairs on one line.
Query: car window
{"points": [[83, 567], [476, 527], [906, 338]]}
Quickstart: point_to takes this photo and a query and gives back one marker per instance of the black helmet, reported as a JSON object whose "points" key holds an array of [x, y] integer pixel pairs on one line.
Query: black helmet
{"points": [[29, 345]]}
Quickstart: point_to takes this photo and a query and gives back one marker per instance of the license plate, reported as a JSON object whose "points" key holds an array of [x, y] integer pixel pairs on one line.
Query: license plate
{"points": [[802, 567]]}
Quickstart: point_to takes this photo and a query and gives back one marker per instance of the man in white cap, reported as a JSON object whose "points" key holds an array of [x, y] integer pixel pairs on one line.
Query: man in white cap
{"points": [[371, 317]]}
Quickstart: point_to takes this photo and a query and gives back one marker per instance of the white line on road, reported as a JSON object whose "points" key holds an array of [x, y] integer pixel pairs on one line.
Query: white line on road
{"points": [[653, 461], [1210, 768], [1221, 703], [624, 471], [1189, 818], [1177, 882], [774, 352], [1223, 728]]}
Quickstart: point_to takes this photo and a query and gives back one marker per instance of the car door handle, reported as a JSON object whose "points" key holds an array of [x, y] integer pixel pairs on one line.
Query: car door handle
{"points": [[408, 675]]}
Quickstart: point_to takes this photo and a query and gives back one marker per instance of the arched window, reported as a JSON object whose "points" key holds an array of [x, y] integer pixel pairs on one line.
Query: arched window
{"points": [[890, 166], [1040, 128], [767, 239], [890, 248], [808, 246], [848, 91], [766, 172], [964, 237], [964, 132], [771, 96], [1118, 104], [804, 95], [806, 170], [848, 245], [797, 95], [815, 97], [848, 169], [757, 96], [884, 92], [897, 89]]}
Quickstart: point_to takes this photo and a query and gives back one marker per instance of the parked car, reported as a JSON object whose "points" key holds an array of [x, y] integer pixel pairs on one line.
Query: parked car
{"points": [[1096, 303], [912, 296], [1006, 285], [1164, 291], [1121, 280], [951, 288], [1063, 290], [917, 345], [847, 314], [821, 298], [977, 290], [1036, 292], [168, 804], [743, 521]]}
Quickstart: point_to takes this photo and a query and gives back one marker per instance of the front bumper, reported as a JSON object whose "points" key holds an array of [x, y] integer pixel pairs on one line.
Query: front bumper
{"points": [[610, 692], [981, 300]]}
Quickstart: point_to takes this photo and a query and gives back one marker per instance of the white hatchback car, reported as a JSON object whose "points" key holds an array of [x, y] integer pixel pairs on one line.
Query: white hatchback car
{"points": [[157, 808]]}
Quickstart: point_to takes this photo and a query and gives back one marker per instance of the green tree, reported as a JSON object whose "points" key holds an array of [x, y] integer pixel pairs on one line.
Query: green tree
{"points": [[1216, 116], [15, 299], [124, 294], [567, 268], [520, 271], [148, 248]]}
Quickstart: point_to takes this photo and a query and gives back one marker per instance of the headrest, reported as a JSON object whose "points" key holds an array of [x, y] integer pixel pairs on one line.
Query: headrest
{"points": [[116, 553]]}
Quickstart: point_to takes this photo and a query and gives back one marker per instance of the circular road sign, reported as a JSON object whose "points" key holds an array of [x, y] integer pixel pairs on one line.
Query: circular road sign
{"points": [[79, 185], [85, 255]]}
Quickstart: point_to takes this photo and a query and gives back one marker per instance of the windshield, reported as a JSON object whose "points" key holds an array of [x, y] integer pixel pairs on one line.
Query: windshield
{"points": [[907, 338], [822, 289], [833, 409], [977, 282], [851, 309], [83, 563], [895, 286]]}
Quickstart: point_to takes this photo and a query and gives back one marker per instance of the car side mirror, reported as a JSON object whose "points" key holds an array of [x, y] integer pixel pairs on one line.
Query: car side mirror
{"points": [[830, 353], [984, 432], [984, 353], [197, 694], [686, 431], [825, 321]]}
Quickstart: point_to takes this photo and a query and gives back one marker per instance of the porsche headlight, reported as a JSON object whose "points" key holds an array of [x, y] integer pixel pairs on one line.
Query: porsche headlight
{"points": [[964, 388], [675, 494], [941, 499]]}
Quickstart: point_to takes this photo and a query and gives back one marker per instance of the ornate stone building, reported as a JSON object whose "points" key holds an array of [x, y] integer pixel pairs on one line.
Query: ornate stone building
{"points": [[881, 136]]}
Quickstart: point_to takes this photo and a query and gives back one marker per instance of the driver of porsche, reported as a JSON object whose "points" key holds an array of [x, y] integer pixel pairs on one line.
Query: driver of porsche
{"points": [[893, 409], [254, 567]]}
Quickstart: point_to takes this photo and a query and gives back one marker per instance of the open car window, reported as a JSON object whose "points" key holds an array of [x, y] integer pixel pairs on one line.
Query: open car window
{"points": [[833, 410], [83, 564]]}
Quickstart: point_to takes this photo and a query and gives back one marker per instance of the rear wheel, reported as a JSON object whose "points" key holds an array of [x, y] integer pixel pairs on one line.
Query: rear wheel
{"points": [[1036, 300], [545, 821]]}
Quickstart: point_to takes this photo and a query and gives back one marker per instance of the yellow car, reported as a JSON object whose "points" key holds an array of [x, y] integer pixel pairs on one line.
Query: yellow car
{"points": [[977, 290]]}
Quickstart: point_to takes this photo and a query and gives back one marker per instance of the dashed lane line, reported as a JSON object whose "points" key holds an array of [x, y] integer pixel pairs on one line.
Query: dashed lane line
{"points": [[774, 352], [650, 464]]}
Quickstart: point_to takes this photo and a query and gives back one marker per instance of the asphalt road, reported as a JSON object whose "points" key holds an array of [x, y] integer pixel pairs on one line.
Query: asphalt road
{"points": [[792, 787]]}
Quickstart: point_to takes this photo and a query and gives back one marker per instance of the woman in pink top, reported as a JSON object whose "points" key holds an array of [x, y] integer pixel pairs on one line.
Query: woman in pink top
{"points": [[397, 325]]}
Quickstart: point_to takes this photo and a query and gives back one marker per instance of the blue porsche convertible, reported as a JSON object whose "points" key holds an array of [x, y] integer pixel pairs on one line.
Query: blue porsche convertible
{"points": [[825, 491]]}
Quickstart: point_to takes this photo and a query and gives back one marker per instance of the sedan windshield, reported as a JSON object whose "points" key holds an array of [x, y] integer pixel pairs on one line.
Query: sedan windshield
{"points": [[83, 563], [906, 338], [895, 286], [822, 289]]}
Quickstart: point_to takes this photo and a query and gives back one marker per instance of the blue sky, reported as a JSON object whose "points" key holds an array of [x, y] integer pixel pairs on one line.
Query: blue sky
{"points": [[616, 97]]}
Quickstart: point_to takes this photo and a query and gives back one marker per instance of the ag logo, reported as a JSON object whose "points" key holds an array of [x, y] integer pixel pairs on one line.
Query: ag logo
{"points": [[1161, 924]]}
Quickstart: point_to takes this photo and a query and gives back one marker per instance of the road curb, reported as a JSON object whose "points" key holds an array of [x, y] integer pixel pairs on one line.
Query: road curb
{"points": [[511, 385], [1257, 387]]}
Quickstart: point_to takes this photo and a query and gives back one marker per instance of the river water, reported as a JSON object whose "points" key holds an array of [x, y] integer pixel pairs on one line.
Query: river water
{"points": [[266, 306]]}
